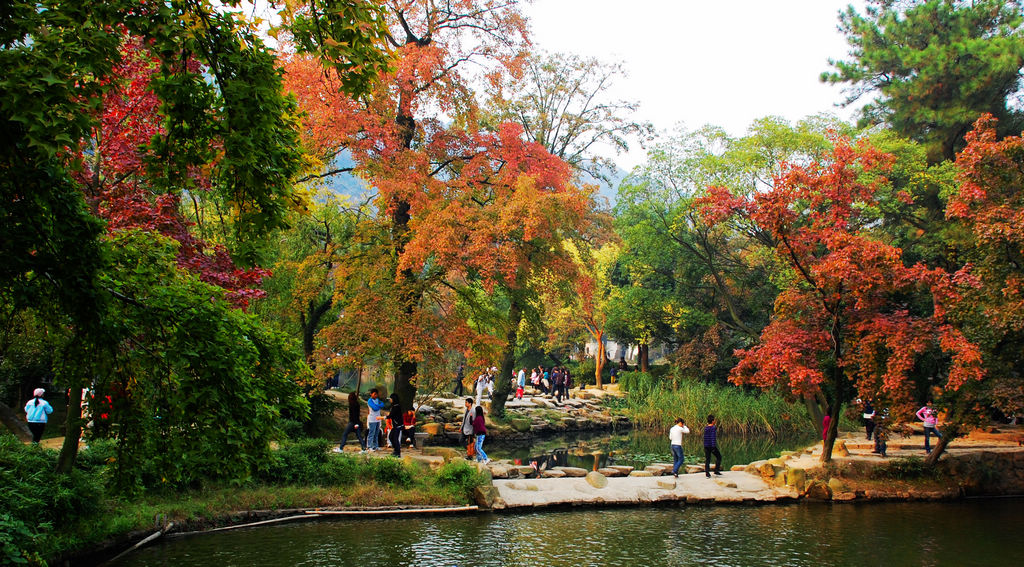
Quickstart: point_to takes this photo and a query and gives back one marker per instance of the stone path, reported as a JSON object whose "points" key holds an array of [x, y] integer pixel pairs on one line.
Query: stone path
{"points": [[729, 488]]}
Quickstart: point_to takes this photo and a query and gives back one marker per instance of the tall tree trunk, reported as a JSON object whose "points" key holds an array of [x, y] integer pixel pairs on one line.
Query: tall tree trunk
{"points": [[310, 321], [643, 352], [814, 409], [599, 358], [949, 432], [72, 432], [508, 359], [832, 433], [839, 388]]}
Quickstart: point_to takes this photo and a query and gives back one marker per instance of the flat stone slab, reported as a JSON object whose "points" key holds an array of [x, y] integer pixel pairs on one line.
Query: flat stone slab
{"points": [[574, 472], [731, 487], [608, 471], [552, 473]]}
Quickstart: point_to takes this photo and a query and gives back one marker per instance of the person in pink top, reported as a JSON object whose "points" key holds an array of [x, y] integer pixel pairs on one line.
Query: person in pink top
{"points": [[928, 416]]}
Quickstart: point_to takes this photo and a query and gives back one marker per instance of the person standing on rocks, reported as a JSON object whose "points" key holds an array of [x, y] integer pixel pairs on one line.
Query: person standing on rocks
{"points": [[711, 447], [480, 430], [675, 439], [467, 425], [930, 419], [521, 383], [481, 385], [559, 380]]}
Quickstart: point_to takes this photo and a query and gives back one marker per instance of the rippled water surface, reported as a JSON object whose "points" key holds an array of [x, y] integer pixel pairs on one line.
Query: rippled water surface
{"points": [[974, 532]]}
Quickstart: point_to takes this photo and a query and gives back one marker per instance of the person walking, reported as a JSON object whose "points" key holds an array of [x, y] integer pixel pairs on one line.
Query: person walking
{"points": [[397, 420], [480, 430], [711, 447], [930, 419], [675, 440], [373, 421], [460, 374], [354, 424], [467, 426], [37, 411]]}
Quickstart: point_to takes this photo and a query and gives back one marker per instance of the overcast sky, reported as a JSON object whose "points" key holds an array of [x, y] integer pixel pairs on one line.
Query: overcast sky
{"points": [[696, 62]]}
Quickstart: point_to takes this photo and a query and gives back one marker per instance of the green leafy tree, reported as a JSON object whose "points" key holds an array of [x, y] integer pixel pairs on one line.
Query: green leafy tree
{"points": [[934, 67]]}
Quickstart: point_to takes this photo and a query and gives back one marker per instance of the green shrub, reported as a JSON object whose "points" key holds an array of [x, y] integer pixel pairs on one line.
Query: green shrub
{"points": [[341, 470], [18, 543], [390, 471], [297, 462], [639, 383], [460, 477]]}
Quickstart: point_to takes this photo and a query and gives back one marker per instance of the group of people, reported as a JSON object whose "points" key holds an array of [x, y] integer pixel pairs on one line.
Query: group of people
{"points": [[552, 381], [876, 425], [397, 427], [675, 439]]}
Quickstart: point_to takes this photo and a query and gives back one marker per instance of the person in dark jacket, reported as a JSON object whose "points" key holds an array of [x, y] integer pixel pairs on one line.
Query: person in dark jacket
{"points": [[480, 430], [396, 419], [354, 424], [711, 447]]}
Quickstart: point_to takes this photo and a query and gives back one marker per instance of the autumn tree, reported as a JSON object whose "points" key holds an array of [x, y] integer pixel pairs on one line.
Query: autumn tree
{"points": [[988, 203], [703, 288], [417, 141], [934, 66], [843, 323]]}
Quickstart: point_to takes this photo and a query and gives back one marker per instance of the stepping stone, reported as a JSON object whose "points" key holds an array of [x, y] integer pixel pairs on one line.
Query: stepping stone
{"points": [[608, 471], [574, 472], [552, 473], [596, 479], [691, 469], [525, 471], [666, 483], [640, 473], [625, 470]]}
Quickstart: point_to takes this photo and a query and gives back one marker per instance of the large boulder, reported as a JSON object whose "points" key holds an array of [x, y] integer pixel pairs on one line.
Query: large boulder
{"points": [[818, 490], [596, 479], [797, 478], [485, 496], [836, 485], [433, 428]]}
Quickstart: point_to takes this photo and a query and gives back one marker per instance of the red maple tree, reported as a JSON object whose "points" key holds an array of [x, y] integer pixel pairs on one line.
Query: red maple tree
{"points": [[115, 179], [847, 320]]}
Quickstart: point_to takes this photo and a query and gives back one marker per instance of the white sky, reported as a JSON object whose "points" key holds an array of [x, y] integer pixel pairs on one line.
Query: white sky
{"points": [[696, 62]]}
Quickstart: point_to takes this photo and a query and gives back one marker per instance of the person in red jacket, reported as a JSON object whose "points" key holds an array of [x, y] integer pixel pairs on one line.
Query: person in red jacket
{"points": [[480, 430]]}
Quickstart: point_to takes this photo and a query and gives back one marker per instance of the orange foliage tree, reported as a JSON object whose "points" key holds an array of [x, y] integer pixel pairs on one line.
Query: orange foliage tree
{"points": [[847, 321], [457, 204]]}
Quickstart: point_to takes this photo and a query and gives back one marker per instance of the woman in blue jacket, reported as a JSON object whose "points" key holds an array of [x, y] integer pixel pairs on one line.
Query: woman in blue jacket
{"points": [[36, 411]]}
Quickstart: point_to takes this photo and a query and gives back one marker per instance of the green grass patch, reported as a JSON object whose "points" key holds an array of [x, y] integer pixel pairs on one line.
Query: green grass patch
{"points": [[652, 403]]}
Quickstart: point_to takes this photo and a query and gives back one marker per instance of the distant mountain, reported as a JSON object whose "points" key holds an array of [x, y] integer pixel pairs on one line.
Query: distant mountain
{"points": [[607, 188], [348, 184]]}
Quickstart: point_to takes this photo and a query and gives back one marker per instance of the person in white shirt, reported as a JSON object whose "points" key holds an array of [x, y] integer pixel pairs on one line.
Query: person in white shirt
{"points": [[481, 385], [675, 438]]}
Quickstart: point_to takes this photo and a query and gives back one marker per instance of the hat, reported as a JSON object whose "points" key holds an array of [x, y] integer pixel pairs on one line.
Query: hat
{"points": [[38, 392]]}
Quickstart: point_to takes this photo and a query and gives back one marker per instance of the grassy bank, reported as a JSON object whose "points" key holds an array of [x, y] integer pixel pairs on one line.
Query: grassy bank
{"points": [[654, 404], [43, 514]]}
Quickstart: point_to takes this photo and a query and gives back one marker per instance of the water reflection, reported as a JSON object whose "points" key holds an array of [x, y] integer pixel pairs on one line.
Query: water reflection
{"points": [[960, 533]]}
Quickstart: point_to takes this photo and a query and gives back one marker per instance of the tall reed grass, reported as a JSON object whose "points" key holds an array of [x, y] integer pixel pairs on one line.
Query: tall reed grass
{"points": [[654, 404]]}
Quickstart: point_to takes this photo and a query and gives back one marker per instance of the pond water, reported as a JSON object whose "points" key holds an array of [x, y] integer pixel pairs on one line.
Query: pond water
{"points": [[638, 448], [971, 532]]}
